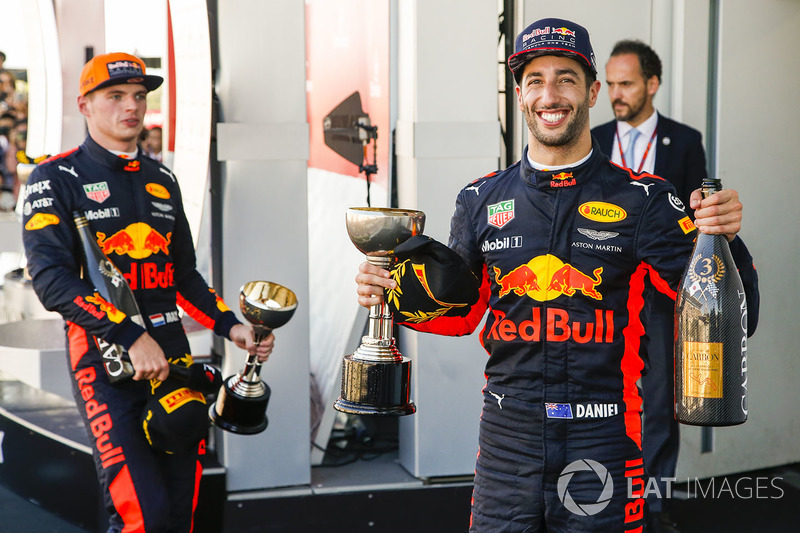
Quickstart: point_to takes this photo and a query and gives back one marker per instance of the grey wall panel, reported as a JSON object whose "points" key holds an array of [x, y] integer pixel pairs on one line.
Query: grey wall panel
{"points": [[261, 87], [758, 130]]}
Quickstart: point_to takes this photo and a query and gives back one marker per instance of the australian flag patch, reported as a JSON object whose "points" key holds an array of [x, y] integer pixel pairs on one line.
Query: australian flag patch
{"points": [[558, 410]]}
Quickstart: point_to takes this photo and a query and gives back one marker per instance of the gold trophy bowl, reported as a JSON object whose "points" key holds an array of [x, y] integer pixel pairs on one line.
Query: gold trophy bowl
{"points": [[241, 406], [376, 377]]}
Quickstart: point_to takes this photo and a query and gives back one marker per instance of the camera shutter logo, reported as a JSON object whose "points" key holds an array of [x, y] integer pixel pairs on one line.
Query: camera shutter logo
{"points": [[585, 509]]}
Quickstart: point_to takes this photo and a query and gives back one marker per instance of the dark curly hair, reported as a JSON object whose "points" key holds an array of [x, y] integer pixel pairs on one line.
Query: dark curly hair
{"points": [[648, 59]]}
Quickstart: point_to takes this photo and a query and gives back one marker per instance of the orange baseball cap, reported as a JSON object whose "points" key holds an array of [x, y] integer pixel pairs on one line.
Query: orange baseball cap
{"points": [[113, 69]]}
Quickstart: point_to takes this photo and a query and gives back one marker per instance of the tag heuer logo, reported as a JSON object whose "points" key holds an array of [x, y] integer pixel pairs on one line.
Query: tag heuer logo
{"points": [[501, 214], [97, 191]]}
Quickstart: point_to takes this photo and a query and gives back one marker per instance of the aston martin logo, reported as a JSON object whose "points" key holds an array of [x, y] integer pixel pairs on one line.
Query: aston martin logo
{"points": [[598, 235]]}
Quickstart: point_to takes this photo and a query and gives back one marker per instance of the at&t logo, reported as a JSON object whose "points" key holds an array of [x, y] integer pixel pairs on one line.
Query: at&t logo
{"points": [[590, 508]]}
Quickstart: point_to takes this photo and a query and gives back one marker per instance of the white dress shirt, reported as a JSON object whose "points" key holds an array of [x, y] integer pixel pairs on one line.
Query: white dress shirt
{"points": [[646, 129]]}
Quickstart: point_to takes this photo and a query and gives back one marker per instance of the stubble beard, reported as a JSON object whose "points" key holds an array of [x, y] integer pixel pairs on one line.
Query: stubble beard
{"points": [[628, 113], [578, 121]]}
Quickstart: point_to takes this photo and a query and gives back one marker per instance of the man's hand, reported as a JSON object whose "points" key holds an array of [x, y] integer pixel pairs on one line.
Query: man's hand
{"points": [[371, 281], [720, 213], [148, 359], [242, 336]]}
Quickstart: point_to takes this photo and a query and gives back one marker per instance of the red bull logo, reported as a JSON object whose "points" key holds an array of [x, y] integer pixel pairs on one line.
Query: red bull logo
{"points": [[148, 276], [114, 314], [520, 280], [138, 241], [100, 421], [568, 279], [546, 277], [536, 32], [555, 326], [132, 166], [563, 179], [564, 31]]}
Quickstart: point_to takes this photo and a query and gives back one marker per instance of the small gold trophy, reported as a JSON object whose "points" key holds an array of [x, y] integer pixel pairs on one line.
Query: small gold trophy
{"points": [[375, 378], [242, 402]]}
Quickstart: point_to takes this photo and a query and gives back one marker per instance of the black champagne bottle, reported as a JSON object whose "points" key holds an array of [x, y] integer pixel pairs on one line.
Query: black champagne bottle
{"points": [[111, 286], [711, 335]]}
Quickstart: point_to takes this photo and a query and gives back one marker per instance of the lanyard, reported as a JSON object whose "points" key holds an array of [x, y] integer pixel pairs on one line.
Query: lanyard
{"points": [[646, 151]]}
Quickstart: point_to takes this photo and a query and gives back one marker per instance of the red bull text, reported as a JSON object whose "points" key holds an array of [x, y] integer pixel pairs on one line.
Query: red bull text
{"points": [[634, 510], [148, 276], [99, 419], [557, 327], [563, 179]]}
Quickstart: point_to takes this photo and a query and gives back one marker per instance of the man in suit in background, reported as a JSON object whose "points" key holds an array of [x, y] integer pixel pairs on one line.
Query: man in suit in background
{"points": [[645, 141]]}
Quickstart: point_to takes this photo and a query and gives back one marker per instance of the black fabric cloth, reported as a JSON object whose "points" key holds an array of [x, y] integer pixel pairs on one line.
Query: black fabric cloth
{"points": [[432, 281], [175, 417]]}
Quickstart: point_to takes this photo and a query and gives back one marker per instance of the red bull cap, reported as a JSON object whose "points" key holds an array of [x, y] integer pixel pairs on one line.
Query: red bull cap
{"points": [[552, 36], [113, 69]]}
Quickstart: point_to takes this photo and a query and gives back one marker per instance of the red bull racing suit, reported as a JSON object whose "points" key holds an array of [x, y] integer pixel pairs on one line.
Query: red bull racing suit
{"points": [[563, 257], [134, 208]]}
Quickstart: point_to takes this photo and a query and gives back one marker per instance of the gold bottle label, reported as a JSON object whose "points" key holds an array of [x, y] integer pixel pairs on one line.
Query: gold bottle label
{"points": [[702, 369]]}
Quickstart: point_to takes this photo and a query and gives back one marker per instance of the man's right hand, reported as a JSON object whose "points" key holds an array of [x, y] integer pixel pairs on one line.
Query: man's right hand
{"points": [[148, 359], [372, 281]]}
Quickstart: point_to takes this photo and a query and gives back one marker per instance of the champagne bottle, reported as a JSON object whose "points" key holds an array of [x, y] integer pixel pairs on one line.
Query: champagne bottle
{"points": [[111, 286], [115, 295], [711, 335]]}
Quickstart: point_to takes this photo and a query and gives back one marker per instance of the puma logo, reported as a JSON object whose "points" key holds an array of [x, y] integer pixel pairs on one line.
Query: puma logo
{"points": [[70, 170], [645, 185], [475, 188]]}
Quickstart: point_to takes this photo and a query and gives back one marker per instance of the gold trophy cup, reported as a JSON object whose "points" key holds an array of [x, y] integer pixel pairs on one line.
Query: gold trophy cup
{"points": [[375, 378], [241, 406]]}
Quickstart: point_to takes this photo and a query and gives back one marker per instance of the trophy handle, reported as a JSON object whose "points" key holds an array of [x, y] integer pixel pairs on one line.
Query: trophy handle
{"points": [[381, 323], [252, 366]]}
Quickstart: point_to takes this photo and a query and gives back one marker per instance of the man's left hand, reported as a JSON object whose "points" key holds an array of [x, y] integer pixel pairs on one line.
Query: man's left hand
{"points": [[719, 214]]}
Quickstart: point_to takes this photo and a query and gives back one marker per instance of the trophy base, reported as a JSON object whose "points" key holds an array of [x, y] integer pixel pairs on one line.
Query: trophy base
{"points": [[239, 414], [375, 388]]}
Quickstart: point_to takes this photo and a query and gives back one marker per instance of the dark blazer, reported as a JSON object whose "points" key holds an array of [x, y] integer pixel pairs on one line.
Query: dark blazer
{"points": [[680, 157]]}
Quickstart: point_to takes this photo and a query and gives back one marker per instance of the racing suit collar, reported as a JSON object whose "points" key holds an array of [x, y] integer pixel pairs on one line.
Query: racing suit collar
{"points": [[562, 178], [107, 159]]}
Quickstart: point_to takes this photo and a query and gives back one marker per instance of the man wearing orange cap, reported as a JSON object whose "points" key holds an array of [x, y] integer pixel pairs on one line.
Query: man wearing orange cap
{"points": [[149, 475]]}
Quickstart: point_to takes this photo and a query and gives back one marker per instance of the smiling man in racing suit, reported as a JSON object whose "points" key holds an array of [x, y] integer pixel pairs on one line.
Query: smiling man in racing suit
{"points": [[562, 242], [133, 206]]}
